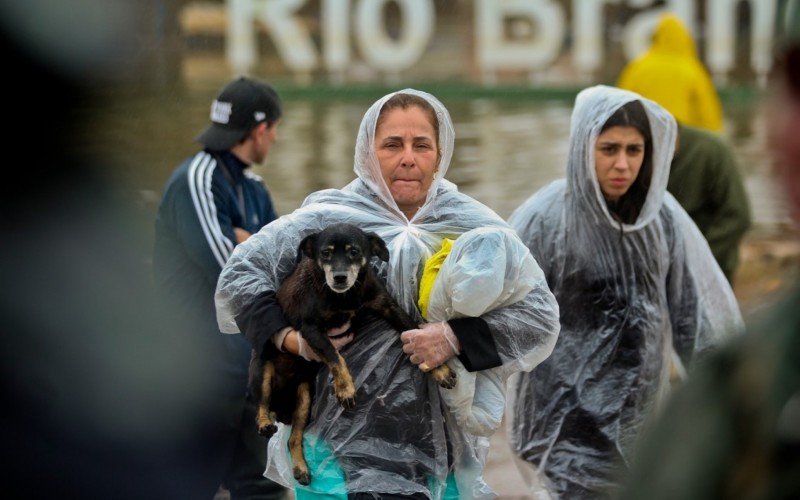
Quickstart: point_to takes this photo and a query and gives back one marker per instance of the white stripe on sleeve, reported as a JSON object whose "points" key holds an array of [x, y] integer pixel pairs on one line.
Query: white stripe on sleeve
{"points": [[199, 177]]}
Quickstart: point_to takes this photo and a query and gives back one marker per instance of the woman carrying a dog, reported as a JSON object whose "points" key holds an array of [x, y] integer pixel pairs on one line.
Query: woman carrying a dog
{"points": [[638, 289], [402, 440]]}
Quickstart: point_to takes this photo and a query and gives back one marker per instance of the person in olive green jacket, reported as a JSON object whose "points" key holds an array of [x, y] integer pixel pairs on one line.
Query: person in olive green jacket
{"points": [[705, 179]]}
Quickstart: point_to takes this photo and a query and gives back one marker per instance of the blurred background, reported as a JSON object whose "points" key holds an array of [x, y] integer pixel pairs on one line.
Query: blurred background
{"points": [[126, 85], [507, 71]]}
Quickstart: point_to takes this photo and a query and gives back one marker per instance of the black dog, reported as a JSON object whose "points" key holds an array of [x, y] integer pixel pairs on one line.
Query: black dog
{"points": [[331, 285]]}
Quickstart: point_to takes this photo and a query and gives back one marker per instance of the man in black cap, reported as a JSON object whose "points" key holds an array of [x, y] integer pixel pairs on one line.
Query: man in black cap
{"points": [[211, 203]]}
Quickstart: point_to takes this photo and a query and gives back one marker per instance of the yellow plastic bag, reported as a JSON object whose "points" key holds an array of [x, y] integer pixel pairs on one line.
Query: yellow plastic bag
{"points": [[429, 273]]}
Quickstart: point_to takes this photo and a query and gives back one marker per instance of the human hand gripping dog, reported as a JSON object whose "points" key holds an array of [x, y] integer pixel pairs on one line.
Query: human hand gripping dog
{"points": [[430, 345], [292, 341]]}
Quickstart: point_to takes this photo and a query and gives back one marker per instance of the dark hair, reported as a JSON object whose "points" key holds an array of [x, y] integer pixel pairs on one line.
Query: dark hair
{"points": [[626, 209], [405, 101]]}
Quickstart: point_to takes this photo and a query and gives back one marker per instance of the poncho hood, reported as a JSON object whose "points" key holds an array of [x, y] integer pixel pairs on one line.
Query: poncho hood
{"points": [[593, 107], [672, 37], [366, 164]]}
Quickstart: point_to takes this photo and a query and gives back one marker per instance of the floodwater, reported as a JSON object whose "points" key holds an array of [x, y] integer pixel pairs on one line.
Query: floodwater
{"points": [[505, 149]]}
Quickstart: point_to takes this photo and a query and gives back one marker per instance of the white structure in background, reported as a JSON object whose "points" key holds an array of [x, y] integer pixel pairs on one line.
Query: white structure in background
{"points": [[636, 37], [294, 42], [494, 51], [722, 40]]}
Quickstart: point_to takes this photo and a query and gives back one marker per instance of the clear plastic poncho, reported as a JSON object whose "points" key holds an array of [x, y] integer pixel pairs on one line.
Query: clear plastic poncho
{"points": [[400, 438], [628, 294], [477, 402]]}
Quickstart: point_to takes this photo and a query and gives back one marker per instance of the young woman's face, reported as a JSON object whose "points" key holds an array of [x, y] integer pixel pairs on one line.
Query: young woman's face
{"points": [[618, 156], [408, 153]]}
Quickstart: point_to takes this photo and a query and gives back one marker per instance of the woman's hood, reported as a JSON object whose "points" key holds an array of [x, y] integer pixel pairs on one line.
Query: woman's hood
{"points": [[593, 107], [366, 164]]}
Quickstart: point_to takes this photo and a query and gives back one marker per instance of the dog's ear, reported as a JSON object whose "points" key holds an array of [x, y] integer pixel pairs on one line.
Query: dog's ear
{"points": [[307, 247], [378, 247]]}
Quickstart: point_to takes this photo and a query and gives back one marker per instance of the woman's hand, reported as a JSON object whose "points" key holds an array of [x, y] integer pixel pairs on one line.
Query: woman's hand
{"points": [[430, 345], [294, 343]]}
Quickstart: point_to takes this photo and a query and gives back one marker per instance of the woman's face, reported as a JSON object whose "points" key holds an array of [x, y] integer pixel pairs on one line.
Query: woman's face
{"points": [[618, 156], [408, 153]]}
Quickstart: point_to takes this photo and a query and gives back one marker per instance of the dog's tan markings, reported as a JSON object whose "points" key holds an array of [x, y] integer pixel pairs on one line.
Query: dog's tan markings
{"points": [[343, 385], [264, 418], [352, 274], [299, 422]]}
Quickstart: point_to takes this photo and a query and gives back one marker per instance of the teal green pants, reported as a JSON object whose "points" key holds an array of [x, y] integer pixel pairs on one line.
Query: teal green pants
{"points": [[328, 480]]}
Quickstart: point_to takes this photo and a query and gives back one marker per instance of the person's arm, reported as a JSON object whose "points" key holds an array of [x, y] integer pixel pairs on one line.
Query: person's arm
{"points": [[525, 332], [519, 334], [203, 223], [261, 319], [476, 342], [469, 338]]}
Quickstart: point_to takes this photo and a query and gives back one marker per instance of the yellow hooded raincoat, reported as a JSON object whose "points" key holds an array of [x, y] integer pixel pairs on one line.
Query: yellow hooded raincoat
{"points": [[671, 74]]}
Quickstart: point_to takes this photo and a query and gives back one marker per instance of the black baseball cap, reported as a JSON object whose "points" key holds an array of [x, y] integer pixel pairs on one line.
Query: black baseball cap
{"points": [[240, 106]]}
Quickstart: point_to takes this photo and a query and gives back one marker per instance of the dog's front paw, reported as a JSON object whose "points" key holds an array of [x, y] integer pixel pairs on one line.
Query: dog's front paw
{"points": [[301, 475], [444, 376]]}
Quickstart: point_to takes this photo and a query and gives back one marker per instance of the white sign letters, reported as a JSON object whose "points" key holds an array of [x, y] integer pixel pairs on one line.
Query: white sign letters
{"points": [[362, 21]]}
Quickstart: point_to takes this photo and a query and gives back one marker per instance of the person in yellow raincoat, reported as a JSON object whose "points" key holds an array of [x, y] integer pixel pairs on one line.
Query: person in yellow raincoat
{"points": [[671, 73]]}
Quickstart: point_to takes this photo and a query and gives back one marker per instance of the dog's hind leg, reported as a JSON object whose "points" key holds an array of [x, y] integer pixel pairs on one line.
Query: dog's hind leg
{"points": [[265, 420], [299, 422]]}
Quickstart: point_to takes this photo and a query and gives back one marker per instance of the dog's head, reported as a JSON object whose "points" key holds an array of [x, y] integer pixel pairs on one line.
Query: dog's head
{"points": [[342, 252]]}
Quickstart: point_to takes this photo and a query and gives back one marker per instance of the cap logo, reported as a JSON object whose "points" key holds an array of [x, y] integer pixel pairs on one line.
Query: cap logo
{"points": [[259, 115], [221, 111]]}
